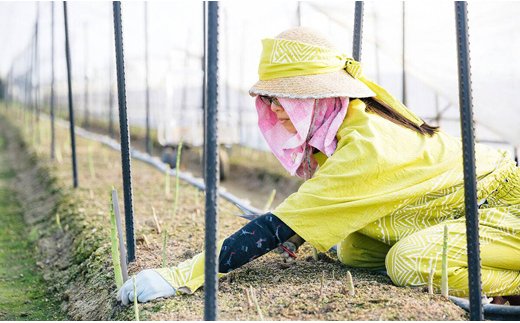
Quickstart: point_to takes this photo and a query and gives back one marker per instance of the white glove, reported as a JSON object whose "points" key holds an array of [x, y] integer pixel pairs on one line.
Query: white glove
{"points": [[149, 285]]}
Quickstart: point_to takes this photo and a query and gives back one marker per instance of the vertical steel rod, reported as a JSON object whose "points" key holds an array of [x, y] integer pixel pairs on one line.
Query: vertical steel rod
{"points": [[299, 13], [8, 88], [212, 168], [71, 108], [468, 146], [111, 98], [404, 54], [125, 137], [147, 65], [37, 73], [184, 95], [204, 81], [53, 135], [86, 112], [227, 49], [31, 85], [438, 114], [241, 63], [25, 97], [358, 31], [376, 47]]}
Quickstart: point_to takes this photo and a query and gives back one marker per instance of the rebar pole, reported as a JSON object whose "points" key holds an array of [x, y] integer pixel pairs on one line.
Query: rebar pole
{"points": [[227, 50], [11, 86], [86, 112], [404, 54], [25, 97], [376, 47], [204, 82], [186, 75], [7, 88], [147, 66], [71, 108], [358, 31], [125, 138], [212, 168], [468, 153], [438, 113], [37, 73], [111, 98], [299, 13], [241, 64], [53, 135], [31, 86]]}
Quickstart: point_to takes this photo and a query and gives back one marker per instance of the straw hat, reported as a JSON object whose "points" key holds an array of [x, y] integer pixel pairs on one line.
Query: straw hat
{"points": [[334, 84]]}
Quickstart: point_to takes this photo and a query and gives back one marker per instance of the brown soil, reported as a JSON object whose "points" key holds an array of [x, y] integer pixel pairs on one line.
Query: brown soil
{"points": [[293, 293]]}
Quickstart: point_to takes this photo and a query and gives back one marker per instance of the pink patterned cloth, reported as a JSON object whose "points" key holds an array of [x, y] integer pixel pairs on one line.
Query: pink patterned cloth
{"points": [[316, 121]]}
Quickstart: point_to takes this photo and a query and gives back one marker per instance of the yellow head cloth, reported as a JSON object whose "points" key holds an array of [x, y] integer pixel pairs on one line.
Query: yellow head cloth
{"points": [[288, 58]]}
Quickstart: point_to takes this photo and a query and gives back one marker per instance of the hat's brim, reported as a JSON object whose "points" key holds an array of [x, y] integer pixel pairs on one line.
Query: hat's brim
{"points": [[316, 86]]}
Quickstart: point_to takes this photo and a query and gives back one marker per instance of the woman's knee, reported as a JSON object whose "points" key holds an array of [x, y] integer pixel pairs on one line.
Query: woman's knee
{"points": [[403, 263], [358, 250]]}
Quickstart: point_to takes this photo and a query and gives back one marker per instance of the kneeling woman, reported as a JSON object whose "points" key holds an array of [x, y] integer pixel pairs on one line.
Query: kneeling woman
{"points": [[380, 182]]}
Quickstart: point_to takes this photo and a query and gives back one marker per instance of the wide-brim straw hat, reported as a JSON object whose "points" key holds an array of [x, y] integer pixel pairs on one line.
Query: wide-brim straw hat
{"points": [[316, 86]]}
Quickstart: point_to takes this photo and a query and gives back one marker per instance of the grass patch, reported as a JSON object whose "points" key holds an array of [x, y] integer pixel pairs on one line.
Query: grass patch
{"points": [[23, 293]]}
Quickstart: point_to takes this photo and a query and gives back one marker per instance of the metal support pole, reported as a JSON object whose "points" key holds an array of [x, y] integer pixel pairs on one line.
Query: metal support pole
{"points": [[147, 63], [53, 135], [184, 94], [241, 63], [376, 47], [468, 147], [299, 13], [37, 73], [25, 98], [358, 31], [7, 88], [71, 108], [125, 138], [86, 112], [404, 53], [227, 49], [204, 81], [32, 113], [111, 99], [212, 168], [438, 113]]}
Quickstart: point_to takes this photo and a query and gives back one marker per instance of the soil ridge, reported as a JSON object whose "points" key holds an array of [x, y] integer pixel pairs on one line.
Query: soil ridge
{"points": [[71, 257]]}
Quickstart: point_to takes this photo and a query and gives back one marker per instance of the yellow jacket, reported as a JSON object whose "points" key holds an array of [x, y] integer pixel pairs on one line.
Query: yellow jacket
{"points": [[379, 171]]}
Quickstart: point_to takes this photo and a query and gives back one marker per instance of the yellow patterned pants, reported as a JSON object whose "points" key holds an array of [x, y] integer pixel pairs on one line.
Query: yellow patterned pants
{"points": [[409, 261]]}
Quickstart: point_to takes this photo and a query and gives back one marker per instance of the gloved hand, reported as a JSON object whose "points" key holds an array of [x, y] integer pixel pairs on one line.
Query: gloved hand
{"points": [[149, 285], [287, 250]]}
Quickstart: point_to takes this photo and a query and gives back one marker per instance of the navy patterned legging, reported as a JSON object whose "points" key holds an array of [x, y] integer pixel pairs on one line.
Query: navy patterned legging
{"points": [[255, 239]]}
